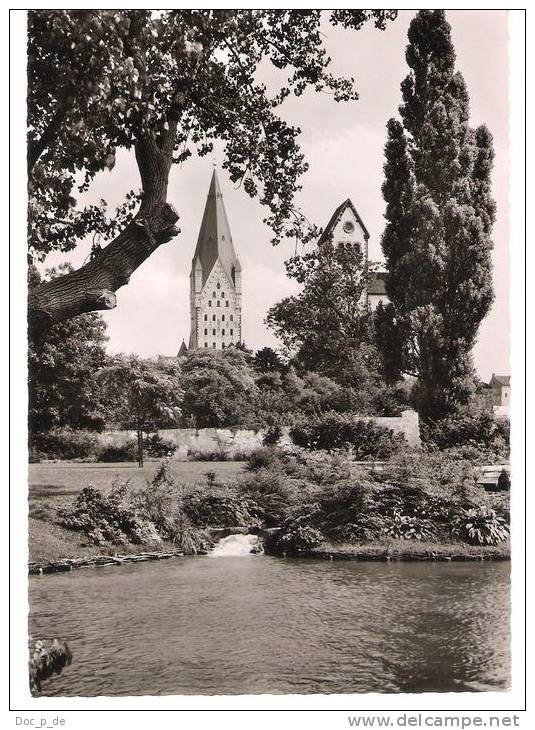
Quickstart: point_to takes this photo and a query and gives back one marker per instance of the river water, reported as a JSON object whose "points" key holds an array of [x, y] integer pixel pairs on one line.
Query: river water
{"points": [[253, 624]]}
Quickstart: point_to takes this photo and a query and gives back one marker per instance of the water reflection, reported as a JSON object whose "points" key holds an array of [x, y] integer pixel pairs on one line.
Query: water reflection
{"points": [[254, 624]]}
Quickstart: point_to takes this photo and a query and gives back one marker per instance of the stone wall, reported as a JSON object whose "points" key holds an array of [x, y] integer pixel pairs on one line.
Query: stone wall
{"points": [[241, 441]]}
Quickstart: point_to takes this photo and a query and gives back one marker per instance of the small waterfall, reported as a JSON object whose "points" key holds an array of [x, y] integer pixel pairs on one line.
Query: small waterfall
{"points": [[236, 545]]}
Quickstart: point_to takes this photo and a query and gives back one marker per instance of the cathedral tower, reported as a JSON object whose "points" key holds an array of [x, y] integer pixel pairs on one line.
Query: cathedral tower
{"points": [[215, 280]]}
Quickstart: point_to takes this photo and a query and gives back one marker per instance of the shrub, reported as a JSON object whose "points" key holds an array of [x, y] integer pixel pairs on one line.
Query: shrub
{"points": [[111, 453], [262, 458], [106, 519], [146, 516], [406, 527], [272, 436], [64, 443], [366, 440], [468, 427], [158, 447], [299, 539], [221, 510], [481, 527], [273, 491]]}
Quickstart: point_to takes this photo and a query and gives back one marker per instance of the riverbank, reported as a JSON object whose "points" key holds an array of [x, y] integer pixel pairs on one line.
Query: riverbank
{"points": [[226, 500], [87, 557], [405, 550]]}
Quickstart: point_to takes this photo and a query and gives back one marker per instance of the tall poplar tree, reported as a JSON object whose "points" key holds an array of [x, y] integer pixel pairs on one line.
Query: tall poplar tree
{"points": [[437, 241]]}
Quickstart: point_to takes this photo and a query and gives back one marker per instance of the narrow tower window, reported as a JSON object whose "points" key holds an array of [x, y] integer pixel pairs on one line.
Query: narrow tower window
{"points": [[206, 318]]}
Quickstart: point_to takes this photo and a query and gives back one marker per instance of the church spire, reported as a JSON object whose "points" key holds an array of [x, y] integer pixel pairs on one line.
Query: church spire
{"points": [[215, 241]]}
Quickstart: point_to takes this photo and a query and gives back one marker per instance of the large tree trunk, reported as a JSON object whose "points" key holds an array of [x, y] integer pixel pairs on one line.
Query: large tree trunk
{"points": [[93, 286]]}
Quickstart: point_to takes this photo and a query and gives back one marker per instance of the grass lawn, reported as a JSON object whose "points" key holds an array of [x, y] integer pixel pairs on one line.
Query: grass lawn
{"points": [[54, 482]]}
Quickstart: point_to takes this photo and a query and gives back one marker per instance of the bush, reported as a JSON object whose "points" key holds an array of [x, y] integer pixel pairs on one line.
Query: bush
{"points": [[469, 427], [262, 458], [64, 443], [272, 436], [106, 519], [299, 539], [221, 510], [331, 431], [158, 447], [481, 527], [111, 453]]}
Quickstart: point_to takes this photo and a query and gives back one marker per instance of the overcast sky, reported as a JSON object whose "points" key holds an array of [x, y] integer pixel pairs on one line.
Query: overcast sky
{"points": [[343, 144]]}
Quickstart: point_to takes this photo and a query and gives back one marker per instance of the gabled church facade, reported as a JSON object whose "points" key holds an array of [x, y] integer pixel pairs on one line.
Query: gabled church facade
{"points": [[346, 225]]}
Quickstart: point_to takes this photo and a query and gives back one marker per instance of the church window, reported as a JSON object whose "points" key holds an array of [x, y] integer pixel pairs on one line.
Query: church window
{"points": [[218, 303]]}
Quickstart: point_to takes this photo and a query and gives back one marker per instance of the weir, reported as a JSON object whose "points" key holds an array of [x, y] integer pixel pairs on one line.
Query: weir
{"points": [[236, 544]]}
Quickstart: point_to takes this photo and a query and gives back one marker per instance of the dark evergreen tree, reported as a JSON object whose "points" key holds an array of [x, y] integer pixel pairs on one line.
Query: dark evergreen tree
{"points": [[437, 241]]}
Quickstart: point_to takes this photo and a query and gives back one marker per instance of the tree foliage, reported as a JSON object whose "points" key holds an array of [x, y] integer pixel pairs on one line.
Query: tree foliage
{"points": [[218, 388], [140, 393], [164, 84], [437, 241], [63, 388], [327, 327]]}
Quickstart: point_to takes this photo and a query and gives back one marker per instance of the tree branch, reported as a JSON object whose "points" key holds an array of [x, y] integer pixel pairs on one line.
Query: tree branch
{"points": [[93, 286]]}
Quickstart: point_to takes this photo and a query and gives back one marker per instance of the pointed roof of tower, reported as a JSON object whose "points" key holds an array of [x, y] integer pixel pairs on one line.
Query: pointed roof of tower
{"points": [[336, 217], [183, 350], [214, 239]]}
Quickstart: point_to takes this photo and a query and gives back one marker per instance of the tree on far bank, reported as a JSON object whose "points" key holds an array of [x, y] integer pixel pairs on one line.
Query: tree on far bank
{"points": [[268, 360], [162, 85], [218, 388], [141, 395], [437, 241], [327, 328], [63, 388]]}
